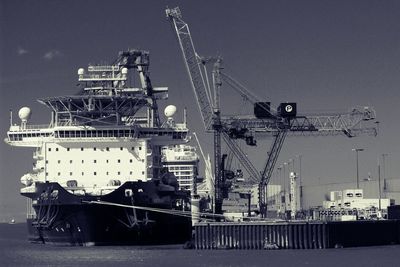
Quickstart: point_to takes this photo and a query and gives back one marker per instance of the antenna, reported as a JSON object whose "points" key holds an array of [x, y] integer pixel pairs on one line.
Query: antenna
{"points": [[11, 117]]}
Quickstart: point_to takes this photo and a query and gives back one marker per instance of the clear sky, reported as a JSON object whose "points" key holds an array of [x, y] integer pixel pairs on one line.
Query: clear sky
{"points": [[324, 55]]}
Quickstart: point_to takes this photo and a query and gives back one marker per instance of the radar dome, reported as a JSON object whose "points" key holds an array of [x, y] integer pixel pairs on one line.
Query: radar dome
{"points": [[81, 71], [24, 113], [170, 111]]}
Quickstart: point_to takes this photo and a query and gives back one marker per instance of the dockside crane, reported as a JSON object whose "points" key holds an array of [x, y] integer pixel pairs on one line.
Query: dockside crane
{"points": [[277, 123]]}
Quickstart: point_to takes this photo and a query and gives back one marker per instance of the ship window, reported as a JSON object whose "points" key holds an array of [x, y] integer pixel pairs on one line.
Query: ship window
{"points": [[47, 162], [49, 149], [143, 172], [47, 174], [119, 161], [70, 161], [94, 161], [95, 173], [130, 172], [140, 148], [59, 161], [94, 149], [106, 173], [106, 160], [67, 148], [83, 173], [107, 148], [83, 161], [81, 148], [142, 160], [56, 148], [59, 173], [133, 148], [70, 173], [119, 173], [130, 160], [121, 148]]}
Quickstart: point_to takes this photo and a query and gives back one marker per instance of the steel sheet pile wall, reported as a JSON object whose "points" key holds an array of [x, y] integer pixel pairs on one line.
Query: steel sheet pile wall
{"points": [[294, 235], [261, 235]]}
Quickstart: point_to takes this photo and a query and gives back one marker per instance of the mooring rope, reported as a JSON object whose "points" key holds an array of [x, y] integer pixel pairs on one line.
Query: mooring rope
{"points": [[182, 213], [187, 214]]}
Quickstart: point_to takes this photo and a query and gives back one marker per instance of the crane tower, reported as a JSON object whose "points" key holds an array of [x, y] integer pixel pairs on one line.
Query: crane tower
{"points": [[277, 123]]}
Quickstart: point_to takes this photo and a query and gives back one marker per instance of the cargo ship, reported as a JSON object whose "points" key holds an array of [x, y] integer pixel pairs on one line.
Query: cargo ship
{"points": [[98, 177]]}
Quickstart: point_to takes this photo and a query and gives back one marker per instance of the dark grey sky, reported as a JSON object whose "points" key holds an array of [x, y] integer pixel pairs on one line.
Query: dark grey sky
{"points": [[324, 55]]}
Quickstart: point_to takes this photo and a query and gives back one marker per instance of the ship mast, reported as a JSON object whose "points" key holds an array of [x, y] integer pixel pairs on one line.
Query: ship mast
{"points": [[107, 98]]}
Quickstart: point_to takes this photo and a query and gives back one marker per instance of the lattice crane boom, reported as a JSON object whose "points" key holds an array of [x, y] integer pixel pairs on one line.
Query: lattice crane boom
{"points": [[356, 122], [193, 65]]}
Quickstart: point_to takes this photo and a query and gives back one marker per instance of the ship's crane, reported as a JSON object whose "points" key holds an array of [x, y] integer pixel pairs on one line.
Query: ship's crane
{"points": [[278, 123], [140, 60]]}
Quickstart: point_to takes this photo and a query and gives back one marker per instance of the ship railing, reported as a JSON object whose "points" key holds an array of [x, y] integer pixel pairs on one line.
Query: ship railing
{"points": [[102, 77], [18, 128], [103, 68]]}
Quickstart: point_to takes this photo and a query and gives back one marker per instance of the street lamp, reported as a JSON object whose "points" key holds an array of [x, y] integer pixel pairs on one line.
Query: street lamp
{"points": [[284, 184], [357, 150], [300, 184], [384, 155]]}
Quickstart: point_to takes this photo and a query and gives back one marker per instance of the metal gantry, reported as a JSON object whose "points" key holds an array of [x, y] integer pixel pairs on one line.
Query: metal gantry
{"points": [[353, 123]]}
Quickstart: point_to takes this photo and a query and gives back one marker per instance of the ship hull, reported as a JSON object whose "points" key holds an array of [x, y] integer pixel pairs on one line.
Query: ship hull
{"points": [[63, 218]]}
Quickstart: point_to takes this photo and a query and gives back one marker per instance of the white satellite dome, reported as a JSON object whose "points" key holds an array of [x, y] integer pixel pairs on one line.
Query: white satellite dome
{"points": [[26, 179], [24, 114], [170, 111], [124, 71], [81, 71]]}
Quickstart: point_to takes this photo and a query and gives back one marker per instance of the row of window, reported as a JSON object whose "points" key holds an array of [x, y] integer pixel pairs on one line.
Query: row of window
{"points": [[18, 137], [98, 133], [94, 161], [94, 148], [95, 133], [183, 173], [181, 168], [94, 173], [130, 133], [182, 178]]}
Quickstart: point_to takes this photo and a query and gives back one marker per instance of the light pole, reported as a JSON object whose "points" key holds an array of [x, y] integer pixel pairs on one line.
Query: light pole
{"points": [[379, 184], [284, 184], [357, 150], [278, 193], [300, 184], [384, 172]]}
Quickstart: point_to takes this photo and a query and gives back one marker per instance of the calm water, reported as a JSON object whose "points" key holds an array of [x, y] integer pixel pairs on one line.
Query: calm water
{"points": [[16, 251]]}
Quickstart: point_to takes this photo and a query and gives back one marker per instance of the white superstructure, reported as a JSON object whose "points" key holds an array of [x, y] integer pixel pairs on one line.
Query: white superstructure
{"points": [[354, 199], [108, 134], [182, 161]]}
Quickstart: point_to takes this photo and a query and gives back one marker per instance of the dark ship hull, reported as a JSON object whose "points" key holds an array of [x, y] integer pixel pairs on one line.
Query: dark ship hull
{"points": [[82, 220]]}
